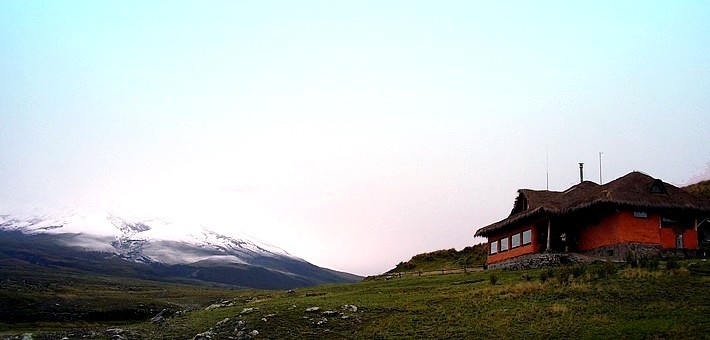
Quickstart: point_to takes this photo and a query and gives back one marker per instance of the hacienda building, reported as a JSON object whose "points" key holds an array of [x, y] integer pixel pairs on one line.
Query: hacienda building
{"points": [[632, 213]]}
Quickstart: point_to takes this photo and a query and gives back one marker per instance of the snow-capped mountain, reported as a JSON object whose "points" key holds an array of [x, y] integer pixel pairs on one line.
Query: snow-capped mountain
{"points": [[158, 244]]}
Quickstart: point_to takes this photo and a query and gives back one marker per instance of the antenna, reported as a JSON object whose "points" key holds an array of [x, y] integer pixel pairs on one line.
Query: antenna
{"points": [[547, 171], [600, 168]]}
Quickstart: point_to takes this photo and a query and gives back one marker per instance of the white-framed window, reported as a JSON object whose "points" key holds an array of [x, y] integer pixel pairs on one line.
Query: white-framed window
{"points": [[515, 241], [504, 244], [527, 237], [668, 221], [640, 214], [494, 247]]}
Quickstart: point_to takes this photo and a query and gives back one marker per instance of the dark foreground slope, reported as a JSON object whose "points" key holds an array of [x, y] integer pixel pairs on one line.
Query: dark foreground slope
{"points": [[585, 301], [47, 253]]}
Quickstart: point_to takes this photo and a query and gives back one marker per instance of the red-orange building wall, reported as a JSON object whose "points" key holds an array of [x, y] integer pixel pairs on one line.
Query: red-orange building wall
{"points": [[530, 248], [623, 227]]}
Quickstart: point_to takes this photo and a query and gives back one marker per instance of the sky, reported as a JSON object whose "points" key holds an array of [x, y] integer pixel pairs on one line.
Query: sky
{"points": [[353, 134]]}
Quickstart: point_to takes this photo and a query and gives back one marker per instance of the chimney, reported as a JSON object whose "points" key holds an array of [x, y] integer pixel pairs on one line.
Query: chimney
{"points": [[581, 172]]}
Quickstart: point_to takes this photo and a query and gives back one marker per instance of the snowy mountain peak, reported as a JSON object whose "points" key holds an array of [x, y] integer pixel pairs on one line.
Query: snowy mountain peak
{"points": [[143, 240]]}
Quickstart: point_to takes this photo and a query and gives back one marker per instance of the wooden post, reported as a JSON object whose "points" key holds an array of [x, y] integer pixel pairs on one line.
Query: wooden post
{"points": [[549, 229]]}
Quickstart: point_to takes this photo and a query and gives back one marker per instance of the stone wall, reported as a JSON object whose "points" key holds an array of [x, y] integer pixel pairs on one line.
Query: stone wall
{"points": [[540, 260], [619, 252]]}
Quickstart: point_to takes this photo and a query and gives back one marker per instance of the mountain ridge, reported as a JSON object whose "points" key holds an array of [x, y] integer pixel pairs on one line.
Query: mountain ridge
{"points": [[110, 244]]}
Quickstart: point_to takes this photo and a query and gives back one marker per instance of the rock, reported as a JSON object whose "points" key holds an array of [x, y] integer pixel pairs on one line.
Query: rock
{"points": [[247, 310], [159, 317], [203, 336], [329, 313], [312, 309], [349, 308], [115, 331], [26, 336], [321, 321], [221, 323], [264, 319], [240, 325], [290, 291], [254, 333]]}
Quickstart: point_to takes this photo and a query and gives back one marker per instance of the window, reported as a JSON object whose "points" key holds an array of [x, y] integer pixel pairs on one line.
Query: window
{"points": [[504, 244], [640, 214], [494, 247], [527, 237], [515, 241], [658, 187], [668, 221]]}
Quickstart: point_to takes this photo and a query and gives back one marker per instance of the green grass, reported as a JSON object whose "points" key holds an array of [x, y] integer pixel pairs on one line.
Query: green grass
{"points": [[446, 259], [595, 301]]}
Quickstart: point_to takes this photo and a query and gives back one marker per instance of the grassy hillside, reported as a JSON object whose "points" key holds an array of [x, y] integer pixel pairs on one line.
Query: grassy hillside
{"points": [[33, 298], [447, 259], [583, 301], [701, 189]]}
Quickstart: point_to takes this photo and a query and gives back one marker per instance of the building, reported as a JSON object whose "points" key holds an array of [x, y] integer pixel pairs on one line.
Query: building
{"points": [[632, 213]]}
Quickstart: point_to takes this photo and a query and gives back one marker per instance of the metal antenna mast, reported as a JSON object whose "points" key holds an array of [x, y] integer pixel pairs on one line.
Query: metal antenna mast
{"points": [[547, 171], [600, 168]]}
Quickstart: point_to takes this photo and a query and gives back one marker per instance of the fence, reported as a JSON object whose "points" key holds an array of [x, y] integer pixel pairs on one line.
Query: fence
{"points": [[396, 275]]}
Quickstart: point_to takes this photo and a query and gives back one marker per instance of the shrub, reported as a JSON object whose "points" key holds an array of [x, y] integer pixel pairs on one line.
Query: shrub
{"points": [[564, 274], [650, 263], [544, 276], [578, 270], [526, 277], [604, 270], [672, 263], [493, 279], [631, 259], [547, 274]]}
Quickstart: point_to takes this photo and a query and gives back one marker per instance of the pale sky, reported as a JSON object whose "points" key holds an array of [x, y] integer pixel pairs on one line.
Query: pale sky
{"points": [[353, 134]]}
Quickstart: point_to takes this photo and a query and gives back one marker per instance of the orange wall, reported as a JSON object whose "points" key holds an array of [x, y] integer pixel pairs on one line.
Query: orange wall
{"points": [[598, 235], [690, 238], [624, 227], [619, 228], [513, 252], [668, 237]]}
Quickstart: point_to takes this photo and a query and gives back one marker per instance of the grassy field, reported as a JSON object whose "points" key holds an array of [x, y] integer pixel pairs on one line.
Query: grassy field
{"points": [[591, 301]]}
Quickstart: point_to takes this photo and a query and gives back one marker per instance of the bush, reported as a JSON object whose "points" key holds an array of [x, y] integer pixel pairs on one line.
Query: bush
{"points": [[631, 259], [650, 263], [564, 274], [578, 270], [544, 276], [604, 270], [493, 279], [526, 277], [672, 263]]}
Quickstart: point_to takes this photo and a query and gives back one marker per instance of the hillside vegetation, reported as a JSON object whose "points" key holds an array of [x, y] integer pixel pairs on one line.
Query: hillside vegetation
{"points": [[446, 259], [582, 301], [701, 189]]}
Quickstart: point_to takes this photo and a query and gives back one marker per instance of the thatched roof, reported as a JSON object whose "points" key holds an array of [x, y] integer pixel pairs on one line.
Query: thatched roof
{"points": [[635, 189]]}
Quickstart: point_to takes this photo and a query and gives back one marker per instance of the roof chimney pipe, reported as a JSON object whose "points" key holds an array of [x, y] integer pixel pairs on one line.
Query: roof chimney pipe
{"points": [[581, 172]]}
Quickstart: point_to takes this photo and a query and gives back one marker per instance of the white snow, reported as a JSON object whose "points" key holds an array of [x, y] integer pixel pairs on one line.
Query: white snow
{"points": [[158, 239]]}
